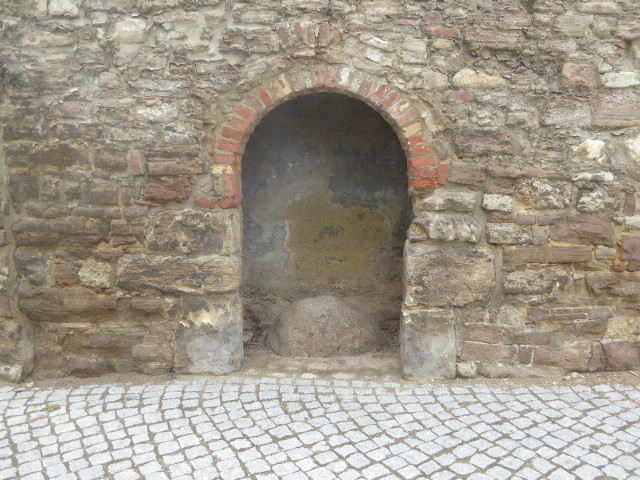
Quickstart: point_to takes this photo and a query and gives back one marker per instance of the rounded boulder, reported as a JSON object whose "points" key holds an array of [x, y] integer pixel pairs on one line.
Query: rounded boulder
{"points": [[325, 326]]}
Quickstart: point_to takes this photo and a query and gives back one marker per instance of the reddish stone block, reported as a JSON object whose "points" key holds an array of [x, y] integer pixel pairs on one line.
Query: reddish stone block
{"points": [[443, 169], [531, 338], [161, 191], [488, 353], [623, 355], [579, 75], [475, 332], [459, 97], [5, 307], [573, 359], [407, 118], [442, 32], [630, 247], [586, 230], [232, 186], [365, 88], [380, 93]]}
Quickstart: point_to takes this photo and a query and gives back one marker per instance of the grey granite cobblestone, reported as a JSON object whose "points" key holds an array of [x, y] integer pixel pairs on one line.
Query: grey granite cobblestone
{"points": [[294, 428]]}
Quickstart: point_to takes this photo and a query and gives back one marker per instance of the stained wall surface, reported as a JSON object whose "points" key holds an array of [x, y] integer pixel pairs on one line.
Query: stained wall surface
{"points": [[325, 209], [123, 126]]}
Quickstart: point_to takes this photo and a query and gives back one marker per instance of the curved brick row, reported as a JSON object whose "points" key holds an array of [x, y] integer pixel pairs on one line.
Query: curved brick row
{"points": [[423, 166]]}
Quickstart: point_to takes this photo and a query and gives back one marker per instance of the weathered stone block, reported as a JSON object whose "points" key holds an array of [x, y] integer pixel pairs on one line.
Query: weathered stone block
{"points": [[132, 30], [439, 276], [585, 230], [622, 355], [63, 231], [163, 191], [472, 174], [66, 304], [572, 359], [533, 282], [495, 202], [546, 254], [95, 274], [468, 78], [508, 233], [197, 275], [616, 284], [616, 111], [449, 228], [544, 194], [59, 155], [32, 265], [473, 142], [209, 335], [621, 79], [195, 231], [566, 112], [184, 161], [428, 344], [579, 75], [487, 352], [451, 200], [325, 326], [64, 8], [494, 39], [630, 247]]}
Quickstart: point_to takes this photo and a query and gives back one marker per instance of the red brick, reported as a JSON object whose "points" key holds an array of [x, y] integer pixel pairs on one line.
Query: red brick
{"points": [[420, 150], [417, 140], [459, 97], [422, 182], [240, 124], [229, 146], [204, 202], [225, 158], [389, 100], [232, 133], [423, 172], [231, 202], [283, 34], [377, 96], [442, 173], [232, 186], [407, 118], [265, 97], [248, 113], [366, 88], [421, 162]]}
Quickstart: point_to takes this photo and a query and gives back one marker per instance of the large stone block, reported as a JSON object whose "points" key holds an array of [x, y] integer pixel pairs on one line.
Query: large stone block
{"points": [[533, 282], [473, 142], [630, 247], [508, 233], [58, 155], [183, 161], [209, 335], [195, 231], [449, 228], [544, 194], [438, 276], [196, 275], [585, 230], [428, 344], [452, 200], [63, 231], [622, 355]]}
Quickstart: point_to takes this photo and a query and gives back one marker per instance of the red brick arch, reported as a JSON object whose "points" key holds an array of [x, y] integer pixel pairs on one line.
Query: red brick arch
{"points": [[424, 168]]}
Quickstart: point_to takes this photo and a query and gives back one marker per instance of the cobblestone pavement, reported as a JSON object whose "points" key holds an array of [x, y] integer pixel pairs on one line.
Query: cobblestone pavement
{"points": [[239, 427]]}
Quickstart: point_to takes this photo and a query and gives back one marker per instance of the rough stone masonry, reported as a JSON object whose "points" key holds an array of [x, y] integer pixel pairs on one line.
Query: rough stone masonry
{"points": [[123, 126]]}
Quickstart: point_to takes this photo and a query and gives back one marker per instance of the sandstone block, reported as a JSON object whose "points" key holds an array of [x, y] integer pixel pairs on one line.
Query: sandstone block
{"points": [[622, 355], [605, 253], [428, 344], [95, 274], [163, 191], [132, 30], [630, 247], [616, 110], [533, 282], [66, 305], [620, 79], [450, 228], [522, 255], [63, 8], [545, 195], [616, 284], [325, 326], [474, 142], [579, 75], [209, 335], [468, 78], [508, 233], [452, 200], [488, 353], [197, 275], [89, 367], [494, 39], [195, 231], [566, 112], [184, 161], [585, 230], [429, 280], [472, 174], [59, 155], [63, 231], [497, 203]]}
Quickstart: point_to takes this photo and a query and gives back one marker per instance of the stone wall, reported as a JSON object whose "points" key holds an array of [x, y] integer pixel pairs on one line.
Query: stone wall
{"points": [[123, 124]]}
